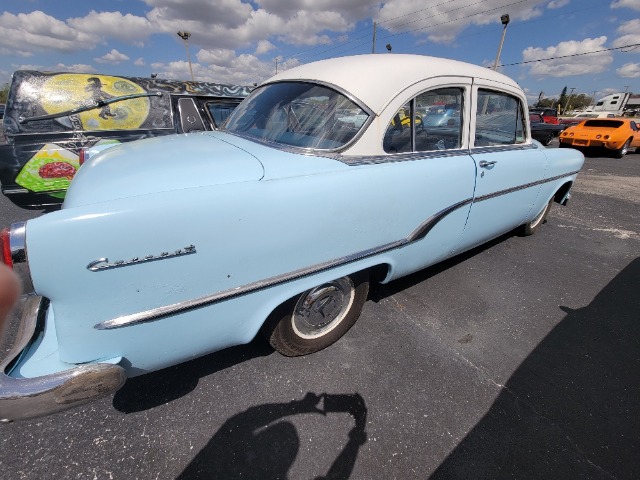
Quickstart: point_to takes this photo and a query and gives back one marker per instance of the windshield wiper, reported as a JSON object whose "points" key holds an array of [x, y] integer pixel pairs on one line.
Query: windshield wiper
{"points": [[99, 104]]}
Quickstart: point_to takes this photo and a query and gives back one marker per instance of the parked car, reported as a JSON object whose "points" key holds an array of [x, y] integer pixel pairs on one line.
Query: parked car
{"points": [[581, 117], [173, 247], [442, 115], [53, 119], [616, 135], [542, 131], [549, 115]]}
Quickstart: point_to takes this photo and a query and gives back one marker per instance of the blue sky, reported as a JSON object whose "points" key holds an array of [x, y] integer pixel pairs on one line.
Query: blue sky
{"points": [[240, 41]]}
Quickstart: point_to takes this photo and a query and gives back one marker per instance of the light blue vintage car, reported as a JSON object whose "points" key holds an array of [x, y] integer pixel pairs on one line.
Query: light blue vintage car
{"points": [[171, 248]]}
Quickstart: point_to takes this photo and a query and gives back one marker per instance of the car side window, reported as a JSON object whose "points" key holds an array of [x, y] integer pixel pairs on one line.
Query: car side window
{"points": [[398, 137], [220, 111], [430, 121], [499, 119]]}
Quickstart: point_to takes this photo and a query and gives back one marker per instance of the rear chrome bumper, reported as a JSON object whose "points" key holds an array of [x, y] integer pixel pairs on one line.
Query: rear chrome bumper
{"points": [[22, 398]]}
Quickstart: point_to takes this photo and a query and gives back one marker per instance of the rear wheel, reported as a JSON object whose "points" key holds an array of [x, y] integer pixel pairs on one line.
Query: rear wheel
{"points": [[317, 318], [622, 151], [547, 140], [531, 227]]}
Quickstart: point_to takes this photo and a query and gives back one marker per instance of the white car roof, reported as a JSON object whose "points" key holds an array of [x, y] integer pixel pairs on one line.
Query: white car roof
{"points": [[375, 78]]}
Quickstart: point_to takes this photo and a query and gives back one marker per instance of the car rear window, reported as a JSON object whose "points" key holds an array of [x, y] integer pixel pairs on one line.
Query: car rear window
{"points": [[603, 123], [298, 114]]}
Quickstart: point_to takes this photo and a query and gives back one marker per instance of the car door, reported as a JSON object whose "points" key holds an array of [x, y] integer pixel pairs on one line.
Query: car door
{"points": [[508, 167], [636, 134], [426, 142]]}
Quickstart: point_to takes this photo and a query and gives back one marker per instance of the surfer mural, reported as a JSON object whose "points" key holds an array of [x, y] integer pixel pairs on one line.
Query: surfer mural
{"points": [[52, 119]]}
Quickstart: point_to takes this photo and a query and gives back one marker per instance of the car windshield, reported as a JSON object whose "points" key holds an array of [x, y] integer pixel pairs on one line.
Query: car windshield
{"points": [[603, 123], [299, 114]]}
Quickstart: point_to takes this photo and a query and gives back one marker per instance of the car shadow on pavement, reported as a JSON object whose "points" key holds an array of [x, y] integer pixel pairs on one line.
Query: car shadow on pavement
{"points": [[261, 442], [157, 388], [572, 408]]}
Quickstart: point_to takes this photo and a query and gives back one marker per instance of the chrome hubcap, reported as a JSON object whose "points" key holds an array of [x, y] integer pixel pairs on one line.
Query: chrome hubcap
{"points": [[625, 147], [537, 220], [322, 308]]}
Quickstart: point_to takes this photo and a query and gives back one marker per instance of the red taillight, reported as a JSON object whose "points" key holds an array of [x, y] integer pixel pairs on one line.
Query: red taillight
{"points": [[82, 156], [7, 258]]}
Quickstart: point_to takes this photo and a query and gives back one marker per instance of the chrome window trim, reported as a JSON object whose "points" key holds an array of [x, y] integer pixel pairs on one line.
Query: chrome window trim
{"points": [[312, 151], [355, 160], [503, 148]]}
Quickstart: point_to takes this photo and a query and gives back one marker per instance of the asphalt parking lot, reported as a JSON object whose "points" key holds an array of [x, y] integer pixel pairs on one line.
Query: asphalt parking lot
{"points": [[519, 359]]}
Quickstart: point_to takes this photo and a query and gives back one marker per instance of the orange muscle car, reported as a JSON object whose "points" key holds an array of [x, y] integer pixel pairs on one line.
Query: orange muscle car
{"points": [[617, 135]]}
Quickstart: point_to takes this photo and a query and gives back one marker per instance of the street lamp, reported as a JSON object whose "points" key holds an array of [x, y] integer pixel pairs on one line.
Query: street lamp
{"points": [[185, 36], [566, 105], [505, 21]]}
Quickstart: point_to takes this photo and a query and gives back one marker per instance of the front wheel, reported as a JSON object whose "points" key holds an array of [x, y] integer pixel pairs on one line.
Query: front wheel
{"points": [[531, 227], [622, 151], [318, 317]]}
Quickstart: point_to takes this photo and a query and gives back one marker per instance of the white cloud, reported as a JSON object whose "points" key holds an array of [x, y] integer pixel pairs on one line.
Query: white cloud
{"points": [[607, 91], [630, 31], [553, 4], [569, 65], [630, 27], [354, 9], [77, 68], [113, 57], [224, 67], [441, 23], [27, 33], [127, 28], [264, 46], [629, 70], [219, 56], [139, 62], [632, 4], [58, 67], [228, 13], [243, 26]]}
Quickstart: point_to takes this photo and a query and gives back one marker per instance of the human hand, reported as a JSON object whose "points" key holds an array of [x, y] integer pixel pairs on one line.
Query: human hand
{"points": [[9, 292]]}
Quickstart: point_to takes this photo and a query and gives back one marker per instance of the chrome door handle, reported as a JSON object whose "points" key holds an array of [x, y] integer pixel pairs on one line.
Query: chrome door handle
{"points": [[485, 164]]}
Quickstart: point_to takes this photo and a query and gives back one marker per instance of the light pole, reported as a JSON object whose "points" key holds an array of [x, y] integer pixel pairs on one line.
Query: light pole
{"points": [[566, 105], [185, 36], [505, 21]]}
